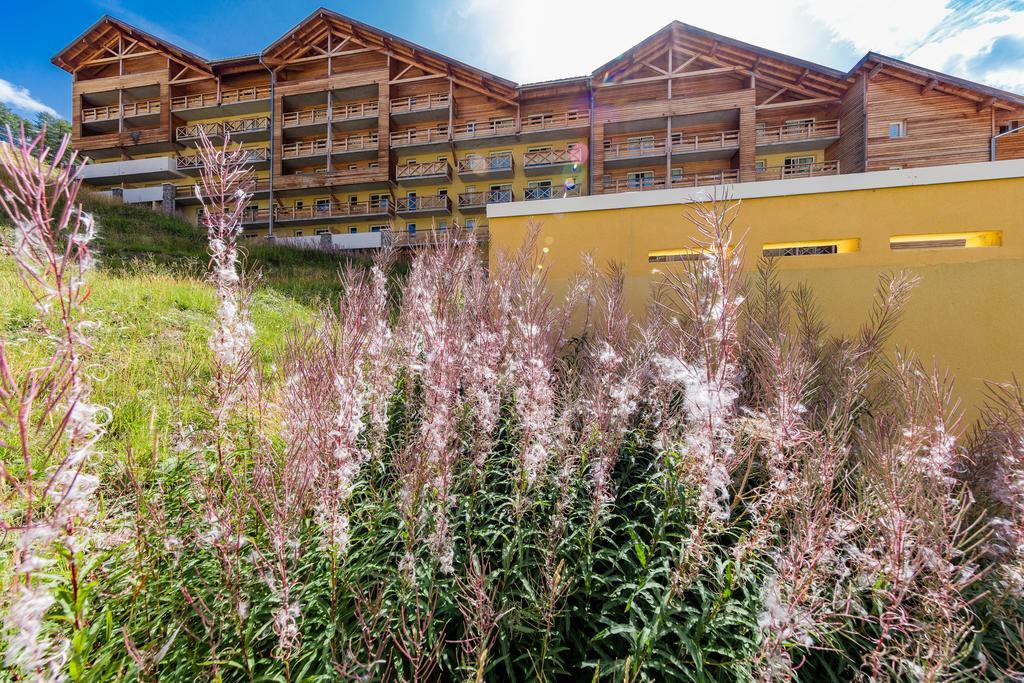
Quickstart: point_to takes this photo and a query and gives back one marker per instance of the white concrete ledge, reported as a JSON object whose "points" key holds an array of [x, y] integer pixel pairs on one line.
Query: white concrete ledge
{"points": [[873, 180]]}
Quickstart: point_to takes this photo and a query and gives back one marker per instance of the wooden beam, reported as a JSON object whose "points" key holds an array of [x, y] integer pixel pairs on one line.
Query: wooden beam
{"points": [[986, 103], [800, 103], [685, 74], [414, 79], [774, 95], [875, 70], [929, 86]]}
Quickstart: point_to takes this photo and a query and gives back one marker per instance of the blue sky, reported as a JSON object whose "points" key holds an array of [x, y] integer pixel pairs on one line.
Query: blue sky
{"points": [[978, 39]]}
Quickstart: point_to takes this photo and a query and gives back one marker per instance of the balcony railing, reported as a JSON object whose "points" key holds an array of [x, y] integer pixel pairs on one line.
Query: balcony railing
{"points": [[107, 113], [356, 110], [632, 184], [93, 114], [218, 128], [490, 129], [426, 169], [541, 122], [189, 191], [535, 193], [439, 202], [355, 143], [489, 164], [553, 157], [142, 108], [795, 132], [419, 136], [699, 142], [209, 99], [632, 150], [822, 168], [703, 179], [252, 156], [304, 148], [304, 118], [372, 207], [406, 105], [477, 199]]}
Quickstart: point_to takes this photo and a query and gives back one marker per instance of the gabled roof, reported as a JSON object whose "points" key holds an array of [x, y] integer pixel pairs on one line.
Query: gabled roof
{"points": [[96, 37], [385, 42], [952, 84], [725, 51]]}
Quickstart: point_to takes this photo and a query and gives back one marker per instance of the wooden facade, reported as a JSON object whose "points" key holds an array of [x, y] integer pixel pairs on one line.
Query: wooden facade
{"points": [[341, 116]]}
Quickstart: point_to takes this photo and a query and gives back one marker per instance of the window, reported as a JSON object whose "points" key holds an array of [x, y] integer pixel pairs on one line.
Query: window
{"points": [[639, 179], [443, 158], [470, 223], [410, 162], [443, 192], [640, 143], [352, 229], [797, 166], [298, 233], [539, 189], [677, 173], [672, 255], [442, 225], [376, 228], [250, 235], [298, 204], [323, 231], [410, 198], [410, 228], [373, 164], [897, 129], [353, 199], [323, 205], [1007, 127], [353, 167], [546, 148], [760, 165], [798, 125]]}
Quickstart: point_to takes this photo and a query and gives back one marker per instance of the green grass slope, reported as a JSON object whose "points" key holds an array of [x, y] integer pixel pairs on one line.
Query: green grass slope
{"points": [[154, 309]]}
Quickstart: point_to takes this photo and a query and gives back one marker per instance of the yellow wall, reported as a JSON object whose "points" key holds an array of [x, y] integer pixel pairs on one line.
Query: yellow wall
{"points": [[967, 312]]}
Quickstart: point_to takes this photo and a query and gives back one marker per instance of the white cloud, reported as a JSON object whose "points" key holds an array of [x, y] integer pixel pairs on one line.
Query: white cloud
{"points": [[21, 99], [532, 40]]}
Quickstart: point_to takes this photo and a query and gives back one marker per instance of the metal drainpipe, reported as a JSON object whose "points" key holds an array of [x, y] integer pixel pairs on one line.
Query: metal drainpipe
{"points": [[992, 143], [590, 135], [270, 155]]}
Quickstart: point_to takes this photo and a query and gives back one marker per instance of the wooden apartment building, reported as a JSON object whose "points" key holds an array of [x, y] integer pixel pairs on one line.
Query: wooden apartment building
{"points": [[353, 130]]}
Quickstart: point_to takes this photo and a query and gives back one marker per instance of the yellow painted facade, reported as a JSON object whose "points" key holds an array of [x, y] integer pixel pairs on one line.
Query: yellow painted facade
{"points": [[967, 313]]}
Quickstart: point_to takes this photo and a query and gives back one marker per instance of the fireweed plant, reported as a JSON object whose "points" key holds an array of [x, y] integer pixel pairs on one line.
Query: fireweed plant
{"points": [[434, 480]]}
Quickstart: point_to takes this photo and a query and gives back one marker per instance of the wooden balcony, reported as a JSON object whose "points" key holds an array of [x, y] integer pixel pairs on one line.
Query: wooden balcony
{"points": [[186, 194], [354, 114], [700, 146], [471, 133], [420, 107], [436, 137], [128, 110], [95, 114], [797, 137], [625, 153], [238, 129], [552, 160], [257, 158], [823, 168], [550, 126], [305, 149], [307, 117], [356, 146], [324, 213], [532, 194], [301, 183], [430, 205], [491, 166], [478, 201], [235, 101], [612, 185], [423, 173], [705, 179]]}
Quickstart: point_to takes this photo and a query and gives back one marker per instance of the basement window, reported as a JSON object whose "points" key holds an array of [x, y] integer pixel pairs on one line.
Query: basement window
{"points": [[897, 129], [811, 248], [674, 255], [948, 240], [323, 231]]}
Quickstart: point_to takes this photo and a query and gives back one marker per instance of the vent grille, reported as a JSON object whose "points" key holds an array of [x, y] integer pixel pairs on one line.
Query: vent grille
{"points": [[669, 258], [929, 244], [806, 250]]}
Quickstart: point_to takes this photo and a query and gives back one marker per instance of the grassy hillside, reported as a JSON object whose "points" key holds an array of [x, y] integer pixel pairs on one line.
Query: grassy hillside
{"points": [[131, 237], [154, 308]]}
